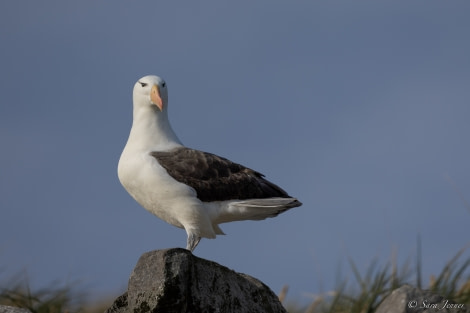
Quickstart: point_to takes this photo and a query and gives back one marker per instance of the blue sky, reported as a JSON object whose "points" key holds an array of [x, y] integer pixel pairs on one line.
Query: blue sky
{"points": [[361, 110]]}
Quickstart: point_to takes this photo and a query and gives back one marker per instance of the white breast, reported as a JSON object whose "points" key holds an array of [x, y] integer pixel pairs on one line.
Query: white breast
{"points": [[151, 186]]}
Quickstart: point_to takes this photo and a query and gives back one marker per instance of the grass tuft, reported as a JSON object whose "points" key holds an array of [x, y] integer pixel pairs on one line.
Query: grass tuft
{"points": [[370, 289], [53, 298], [449, 282]]}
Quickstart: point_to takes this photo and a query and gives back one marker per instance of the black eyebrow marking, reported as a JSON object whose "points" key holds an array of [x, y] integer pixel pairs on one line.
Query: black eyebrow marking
{"points": [[143, 84]]}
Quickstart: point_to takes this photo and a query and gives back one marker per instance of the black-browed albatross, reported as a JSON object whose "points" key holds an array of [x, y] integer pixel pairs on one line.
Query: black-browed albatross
{"points": [[188, 188]]}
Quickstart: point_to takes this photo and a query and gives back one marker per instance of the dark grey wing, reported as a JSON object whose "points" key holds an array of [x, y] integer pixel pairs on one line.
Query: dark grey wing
{"points": [[215, 178]]}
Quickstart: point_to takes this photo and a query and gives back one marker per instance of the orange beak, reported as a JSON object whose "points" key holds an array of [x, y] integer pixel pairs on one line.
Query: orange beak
{"points": [[155, 97]]}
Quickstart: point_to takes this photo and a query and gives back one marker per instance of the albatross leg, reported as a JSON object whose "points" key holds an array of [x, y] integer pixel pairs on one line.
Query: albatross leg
{"points": [[193, 240]]}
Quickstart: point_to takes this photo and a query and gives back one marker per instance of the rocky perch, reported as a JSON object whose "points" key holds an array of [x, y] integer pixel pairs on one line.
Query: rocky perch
{"points": [[175, 280]]}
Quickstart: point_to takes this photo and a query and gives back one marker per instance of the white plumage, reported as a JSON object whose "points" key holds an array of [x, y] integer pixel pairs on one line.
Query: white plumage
{"points": [[187, 188]]}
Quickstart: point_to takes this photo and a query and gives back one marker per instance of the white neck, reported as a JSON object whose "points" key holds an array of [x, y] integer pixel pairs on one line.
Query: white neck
{"points": [[151, 130]]}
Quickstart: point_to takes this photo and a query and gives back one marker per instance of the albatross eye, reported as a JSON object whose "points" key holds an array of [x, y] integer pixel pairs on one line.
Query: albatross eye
{"points": [[143, 84], [163, 84]]}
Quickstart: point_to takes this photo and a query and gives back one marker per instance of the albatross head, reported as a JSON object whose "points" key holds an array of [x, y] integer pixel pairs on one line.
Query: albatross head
{"points": [[151, 129], [151, 91]]}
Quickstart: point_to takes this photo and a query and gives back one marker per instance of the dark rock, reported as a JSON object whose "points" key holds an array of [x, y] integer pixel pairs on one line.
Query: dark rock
{"points": [[12, 309], [175, 280], [413, 300]]}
